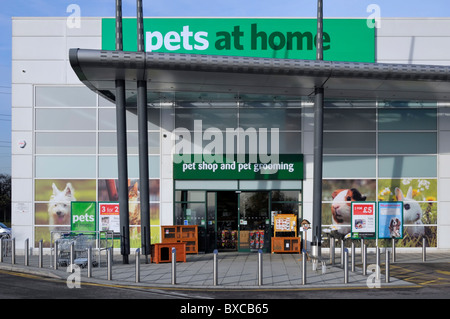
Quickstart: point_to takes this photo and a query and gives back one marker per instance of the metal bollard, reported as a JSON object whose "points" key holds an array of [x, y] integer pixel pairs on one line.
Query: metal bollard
{"points": [[174, 266], [378, 263], [332, 250], [353, 257], [72, 256], [345, 266], [55, 260], [362, 250], [215, 269], [138, 265], [1, 250], [388, 261], [424, 249], [98, 246], [89, 262], [41, 255], [364, 256], [13, 251], [342, 252], [109, 263], [26, 252], [393, 250], [304, 267], [260, 268]]}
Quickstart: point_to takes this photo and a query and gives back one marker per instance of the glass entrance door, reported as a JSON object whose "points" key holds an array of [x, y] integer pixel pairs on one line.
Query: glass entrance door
{"points": [[234, 220], [227, 220], [254, 221]]}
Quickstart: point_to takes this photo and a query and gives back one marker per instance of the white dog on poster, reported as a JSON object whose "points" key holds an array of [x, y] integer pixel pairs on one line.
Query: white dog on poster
{"points": [[60, 204]]}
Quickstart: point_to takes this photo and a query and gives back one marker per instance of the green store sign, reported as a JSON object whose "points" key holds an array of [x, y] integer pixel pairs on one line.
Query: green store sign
{"points": [[83, 216], [348, 40], [197, 167]]}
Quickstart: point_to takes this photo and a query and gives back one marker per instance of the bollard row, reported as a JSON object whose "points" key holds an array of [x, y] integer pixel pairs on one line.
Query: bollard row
{"points": [[344, 259]]}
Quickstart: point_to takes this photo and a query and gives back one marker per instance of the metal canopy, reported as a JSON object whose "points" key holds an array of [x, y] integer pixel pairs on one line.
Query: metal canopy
{"points": [[169, 72]]}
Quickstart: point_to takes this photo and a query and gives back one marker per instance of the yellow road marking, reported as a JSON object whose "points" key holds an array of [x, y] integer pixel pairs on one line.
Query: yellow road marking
{"points": [[200, 289], [443, 272], [20, 274]]}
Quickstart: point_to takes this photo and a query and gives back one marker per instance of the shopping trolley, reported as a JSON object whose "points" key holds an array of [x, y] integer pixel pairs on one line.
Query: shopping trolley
{"points": [[81, 243], [64, 244]]}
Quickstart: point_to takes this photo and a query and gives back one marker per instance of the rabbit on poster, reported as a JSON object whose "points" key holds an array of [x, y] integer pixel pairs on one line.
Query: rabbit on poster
{"points": [[412, 213]]}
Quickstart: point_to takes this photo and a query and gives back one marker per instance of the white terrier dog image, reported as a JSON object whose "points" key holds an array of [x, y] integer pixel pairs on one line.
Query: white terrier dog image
{"points": [[59, 205]]}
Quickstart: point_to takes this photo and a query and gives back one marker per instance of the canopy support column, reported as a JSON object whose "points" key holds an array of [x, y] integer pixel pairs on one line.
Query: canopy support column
{"points": [[122, 160], [318, 144], [143, 142]]}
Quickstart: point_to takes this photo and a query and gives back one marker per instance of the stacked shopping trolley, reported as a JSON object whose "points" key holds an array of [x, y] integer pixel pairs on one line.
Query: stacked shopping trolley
{"points": [[73, 249]]}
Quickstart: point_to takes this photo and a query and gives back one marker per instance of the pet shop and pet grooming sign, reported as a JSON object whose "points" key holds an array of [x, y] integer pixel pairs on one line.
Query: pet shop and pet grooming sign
{"points": [[364, 220], [343, 39], [223, 167]]}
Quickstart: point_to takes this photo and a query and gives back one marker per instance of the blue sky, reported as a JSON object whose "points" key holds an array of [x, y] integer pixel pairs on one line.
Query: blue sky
{"points": [[183, 8]]}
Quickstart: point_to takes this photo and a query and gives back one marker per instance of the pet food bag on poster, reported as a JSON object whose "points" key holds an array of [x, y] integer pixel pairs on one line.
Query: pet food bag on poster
{"points": [[252, 240], [223, 236], [261, 239], [256, 239], [234, 238]]}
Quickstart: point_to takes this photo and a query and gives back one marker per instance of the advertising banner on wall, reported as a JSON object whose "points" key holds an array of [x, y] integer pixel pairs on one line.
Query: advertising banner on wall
{"points": [[83, 216], [419, 195], [390, 220], [363, 219], [343, 39]]}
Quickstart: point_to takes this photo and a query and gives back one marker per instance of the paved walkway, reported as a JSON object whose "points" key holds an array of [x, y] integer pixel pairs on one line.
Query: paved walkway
{"points": [[235, 271]]}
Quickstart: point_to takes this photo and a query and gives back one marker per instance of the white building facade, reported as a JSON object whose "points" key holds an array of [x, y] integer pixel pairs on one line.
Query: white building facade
{"points": [[64, 142]]}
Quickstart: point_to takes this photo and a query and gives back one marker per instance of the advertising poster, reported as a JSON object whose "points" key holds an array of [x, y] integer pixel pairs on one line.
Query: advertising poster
{"points": [[52, 204], [337, 196], [420, 209], [285, 222], [390, 220], [363, 220], [109, 217], [53, 198], [83, 216]]}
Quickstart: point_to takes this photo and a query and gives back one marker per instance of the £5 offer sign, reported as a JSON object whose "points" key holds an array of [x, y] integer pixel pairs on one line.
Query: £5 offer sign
{"points": [[363, 219]]}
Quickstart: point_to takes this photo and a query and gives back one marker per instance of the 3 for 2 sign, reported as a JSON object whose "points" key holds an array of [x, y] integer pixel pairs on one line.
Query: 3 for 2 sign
{"points": [[363, 220]]}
